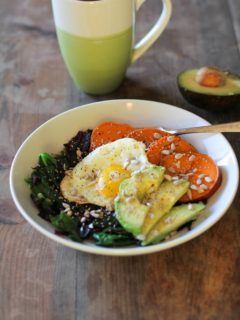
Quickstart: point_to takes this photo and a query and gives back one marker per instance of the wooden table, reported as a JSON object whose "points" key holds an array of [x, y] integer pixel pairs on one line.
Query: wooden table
{"points": [[43, 280]]}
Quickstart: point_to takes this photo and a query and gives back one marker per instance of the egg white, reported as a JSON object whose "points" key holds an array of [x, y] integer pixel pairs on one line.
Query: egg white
{"points": [[80, 185]]}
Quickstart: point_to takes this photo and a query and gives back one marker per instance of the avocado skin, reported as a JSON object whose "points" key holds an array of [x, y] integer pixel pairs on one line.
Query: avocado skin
{"points": [[210, 102]]}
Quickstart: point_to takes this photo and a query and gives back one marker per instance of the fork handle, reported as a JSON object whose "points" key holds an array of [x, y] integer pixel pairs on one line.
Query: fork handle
{"points": [[222, 127]]}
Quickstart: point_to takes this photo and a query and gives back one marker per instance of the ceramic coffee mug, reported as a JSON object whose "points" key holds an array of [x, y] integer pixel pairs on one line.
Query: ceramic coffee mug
{"points": [[96, 39]]}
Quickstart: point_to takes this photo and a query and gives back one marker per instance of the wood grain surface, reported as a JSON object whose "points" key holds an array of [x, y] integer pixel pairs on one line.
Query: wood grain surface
{"points": [[40, 279]]}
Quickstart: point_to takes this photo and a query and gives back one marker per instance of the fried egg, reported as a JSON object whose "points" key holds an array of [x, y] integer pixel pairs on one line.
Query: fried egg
{"points": [[97, 177]]}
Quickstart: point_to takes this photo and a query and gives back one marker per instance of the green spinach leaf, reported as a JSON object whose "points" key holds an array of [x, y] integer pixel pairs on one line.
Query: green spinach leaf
{"points": [[66, 224]]}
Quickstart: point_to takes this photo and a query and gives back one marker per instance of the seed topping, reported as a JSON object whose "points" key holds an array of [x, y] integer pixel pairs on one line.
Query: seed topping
{"points": [[170, 138], [157, 135], [165, 152], [193, 187], [178, 156], [189, 194], [199, 181], [169, 220], [168, 177], [203, 186], [208, 179], [192, 157], [151, 215], [172, 170]]}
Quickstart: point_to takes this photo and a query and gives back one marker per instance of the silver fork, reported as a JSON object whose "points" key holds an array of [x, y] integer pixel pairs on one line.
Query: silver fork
{"points": [[222, 127]]}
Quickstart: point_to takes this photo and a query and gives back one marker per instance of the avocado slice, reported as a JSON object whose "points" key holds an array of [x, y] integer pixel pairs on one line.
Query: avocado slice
{"points": [[222, 95], [162, 201], [171, 221], [131, 204]]}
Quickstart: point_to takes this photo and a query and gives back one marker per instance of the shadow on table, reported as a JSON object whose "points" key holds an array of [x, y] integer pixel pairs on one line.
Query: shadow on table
{"points": [[133, 89]]}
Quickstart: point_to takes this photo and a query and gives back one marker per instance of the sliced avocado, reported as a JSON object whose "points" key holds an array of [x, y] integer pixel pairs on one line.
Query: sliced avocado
{"points": [[171, 221], [130, 205], [222, 94], [162, 201]]}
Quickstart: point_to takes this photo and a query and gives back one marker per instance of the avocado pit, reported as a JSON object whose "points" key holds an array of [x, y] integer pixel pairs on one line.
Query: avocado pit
{"points": [[210, 77], [210, 88]]}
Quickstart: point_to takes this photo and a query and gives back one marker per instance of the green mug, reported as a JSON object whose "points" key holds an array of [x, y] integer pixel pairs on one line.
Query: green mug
{"points": [[96, 39]]}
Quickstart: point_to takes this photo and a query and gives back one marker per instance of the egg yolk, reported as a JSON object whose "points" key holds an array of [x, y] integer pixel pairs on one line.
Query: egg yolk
{"points": [[110, 179]]}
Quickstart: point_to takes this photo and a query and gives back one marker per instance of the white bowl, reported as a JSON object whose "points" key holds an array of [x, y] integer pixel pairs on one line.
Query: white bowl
{"points": [[51, 136]]}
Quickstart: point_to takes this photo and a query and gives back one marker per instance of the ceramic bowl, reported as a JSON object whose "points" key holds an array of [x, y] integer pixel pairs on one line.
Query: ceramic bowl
{"points": [[51, 136]]}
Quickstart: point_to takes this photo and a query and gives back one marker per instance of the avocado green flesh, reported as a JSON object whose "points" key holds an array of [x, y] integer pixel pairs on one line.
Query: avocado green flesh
{"points": [[171, 221], [136, 213], [129, 206], [186, 80], [162, 201]]}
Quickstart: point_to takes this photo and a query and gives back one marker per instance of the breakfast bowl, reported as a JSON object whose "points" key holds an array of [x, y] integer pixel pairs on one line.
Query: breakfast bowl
{"points": [[53, 134]]}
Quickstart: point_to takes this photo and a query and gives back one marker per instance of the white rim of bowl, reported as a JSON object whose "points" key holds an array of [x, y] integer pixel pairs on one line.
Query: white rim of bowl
{"points": [[127, 251]]}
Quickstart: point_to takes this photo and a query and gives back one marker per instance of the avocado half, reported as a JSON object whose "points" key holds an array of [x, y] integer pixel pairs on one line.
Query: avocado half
{"points": [[220, 97]]}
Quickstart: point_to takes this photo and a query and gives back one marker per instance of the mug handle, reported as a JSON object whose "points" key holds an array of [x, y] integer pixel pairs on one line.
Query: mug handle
{"points": [[156, 30]]}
